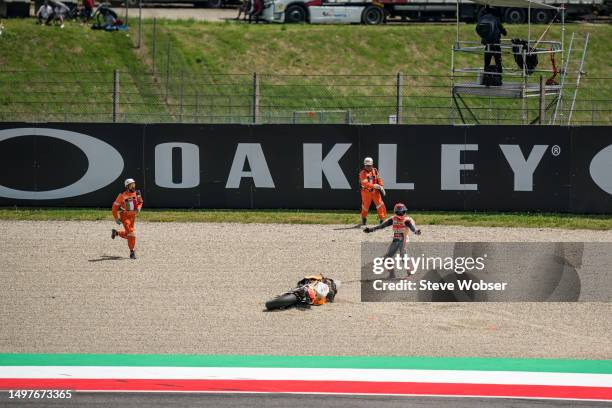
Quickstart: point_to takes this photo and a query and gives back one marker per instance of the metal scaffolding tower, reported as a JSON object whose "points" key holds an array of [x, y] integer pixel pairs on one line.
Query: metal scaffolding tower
{"points": [[522, 83]]}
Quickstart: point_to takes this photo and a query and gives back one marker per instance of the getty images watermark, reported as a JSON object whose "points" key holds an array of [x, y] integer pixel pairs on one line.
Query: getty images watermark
{"points": [[487, 272], [411, 265]]}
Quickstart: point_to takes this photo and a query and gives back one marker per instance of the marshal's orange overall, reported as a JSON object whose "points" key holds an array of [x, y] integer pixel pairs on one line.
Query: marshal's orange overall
{"points": [[126, 207], [369, 194]]}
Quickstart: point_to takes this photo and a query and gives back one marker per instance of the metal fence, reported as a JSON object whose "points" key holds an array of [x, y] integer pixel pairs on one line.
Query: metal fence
{"points": [[170, 96]]}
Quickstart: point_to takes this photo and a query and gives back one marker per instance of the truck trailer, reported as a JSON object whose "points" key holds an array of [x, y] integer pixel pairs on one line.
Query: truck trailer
{"points": [[377, 12]]}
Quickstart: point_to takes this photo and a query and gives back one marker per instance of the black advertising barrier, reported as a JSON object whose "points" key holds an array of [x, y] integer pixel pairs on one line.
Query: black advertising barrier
{"points": [[502, 168], [40, 163], [591, 171], [275, 155]]}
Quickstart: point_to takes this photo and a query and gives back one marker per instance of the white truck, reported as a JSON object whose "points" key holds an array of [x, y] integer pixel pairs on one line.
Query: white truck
{"points": [[376, 12]]}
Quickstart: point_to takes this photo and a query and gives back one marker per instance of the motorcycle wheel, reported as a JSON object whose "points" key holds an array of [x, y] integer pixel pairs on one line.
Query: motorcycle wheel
{"points": [[286, 300]]}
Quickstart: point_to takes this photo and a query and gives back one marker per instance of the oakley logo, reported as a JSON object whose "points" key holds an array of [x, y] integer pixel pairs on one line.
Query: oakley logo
{"points": [[601, 169], [105, 164]]}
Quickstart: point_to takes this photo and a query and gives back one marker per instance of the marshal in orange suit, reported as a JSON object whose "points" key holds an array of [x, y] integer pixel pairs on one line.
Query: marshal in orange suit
{"points": [[125, 208], [372, 190]]}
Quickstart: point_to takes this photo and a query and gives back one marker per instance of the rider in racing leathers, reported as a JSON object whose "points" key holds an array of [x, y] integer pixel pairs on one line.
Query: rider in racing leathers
{"points": [[320, 290], [401, 224]]}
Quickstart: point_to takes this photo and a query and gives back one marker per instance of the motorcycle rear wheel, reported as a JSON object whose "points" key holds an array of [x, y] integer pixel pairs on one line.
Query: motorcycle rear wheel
{"points": [[282, 301]]}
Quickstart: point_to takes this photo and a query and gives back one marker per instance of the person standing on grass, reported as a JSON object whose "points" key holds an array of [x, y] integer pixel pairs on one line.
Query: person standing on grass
{"points": [[125, 208], [255, 10], [243, 10], [88, 6]]}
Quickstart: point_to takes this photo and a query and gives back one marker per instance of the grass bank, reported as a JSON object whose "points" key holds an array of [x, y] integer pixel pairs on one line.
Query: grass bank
{"points": [[203, 72], [52, 74]]}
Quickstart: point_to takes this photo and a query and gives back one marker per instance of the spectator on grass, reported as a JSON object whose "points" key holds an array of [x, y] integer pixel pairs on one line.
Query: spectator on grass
{"points": [[243, 10], [88, 6], [255, 10], [60, 11], [106, 18], [45, 13]]}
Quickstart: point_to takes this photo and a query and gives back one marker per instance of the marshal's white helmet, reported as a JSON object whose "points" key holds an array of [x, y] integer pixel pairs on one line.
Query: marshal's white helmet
{"points": [[368, 161], [129, 181]]}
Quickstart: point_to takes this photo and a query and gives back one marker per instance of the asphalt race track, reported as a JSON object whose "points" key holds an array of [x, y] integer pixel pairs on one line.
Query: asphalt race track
{"points": [[146, 400]]}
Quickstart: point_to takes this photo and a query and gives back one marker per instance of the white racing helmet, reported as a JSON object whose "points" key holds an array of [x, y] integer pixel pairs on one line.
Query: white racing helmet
{"points": [[128, 181], [368, 161]]}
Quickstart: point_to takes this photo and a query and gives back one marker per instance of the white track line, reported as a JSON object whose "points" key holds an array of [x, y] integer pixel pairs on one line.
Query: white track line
{"points": [[310, 374]]}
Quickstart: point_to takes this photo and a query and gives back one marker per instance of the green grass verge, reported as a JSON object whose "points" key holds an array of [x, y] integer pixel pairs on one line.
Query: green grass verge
{"points": [[363, 62], [473, 219], [48, 73], [219, 48]]}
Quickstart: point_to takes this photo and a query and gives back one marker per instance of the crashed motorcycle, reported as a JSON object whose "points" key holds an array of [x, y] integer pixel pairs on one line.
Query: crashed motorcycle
{"points": [[312, 290]]}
